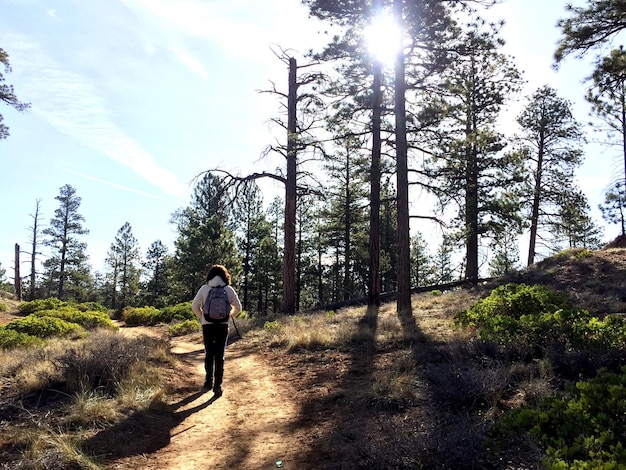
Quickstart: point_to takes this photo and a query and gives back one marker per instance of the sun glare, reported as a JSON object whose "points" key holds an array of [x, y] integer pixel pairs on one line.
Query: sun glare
{"points": [[383, 38]]}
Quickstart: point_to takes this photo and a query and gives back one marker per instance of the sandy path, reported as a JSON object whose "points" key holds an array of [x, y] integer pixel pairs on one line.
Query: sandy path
{"points": [[247, 428]]}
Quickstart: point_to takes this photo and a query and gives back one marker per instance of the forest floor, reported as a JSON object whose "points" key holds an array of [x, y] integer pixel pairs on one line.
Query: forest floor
{"points": [[286, 410], [248, 427]]}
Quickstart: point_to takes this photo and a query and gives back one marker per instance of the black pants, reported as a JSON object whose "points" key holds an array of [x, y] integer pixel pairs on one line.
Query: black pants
{"points": [[215, 337]]}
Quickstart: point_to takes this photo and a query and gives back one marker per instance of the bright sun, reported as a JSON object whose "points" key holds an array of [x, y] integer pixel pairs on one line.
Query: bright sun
{"points": [[383, 38]]}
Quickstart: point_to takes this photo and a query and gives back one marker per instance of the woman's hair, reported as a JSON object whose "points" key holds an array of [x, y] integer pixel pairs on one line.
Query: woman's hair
{"points": [[218, 270]]}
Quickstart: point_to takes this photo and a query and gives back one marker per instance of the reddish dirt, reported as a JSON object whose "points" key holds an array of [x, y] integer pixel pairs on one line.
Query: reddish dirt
{"points": [[285, 410], [248, 427]]}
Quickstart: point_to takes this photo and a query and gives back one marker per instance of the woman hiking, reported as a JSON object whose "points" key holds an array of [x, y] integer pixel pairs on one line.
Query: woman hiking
{"points": [[214, 309]]}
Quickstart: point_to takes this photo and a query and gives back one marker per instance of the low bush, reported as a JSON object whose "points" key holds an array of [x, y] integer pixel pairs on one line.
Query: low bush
{"points": [[392, 388], [51, 303], [44, 327], [139, 316], [58, 396], [10, 339], [104, 362], [274, 325], [3, 307], [184, 328], [581, 429], [583, 254], [180, 312], [92, 307], [535, 316], [88, 319]]}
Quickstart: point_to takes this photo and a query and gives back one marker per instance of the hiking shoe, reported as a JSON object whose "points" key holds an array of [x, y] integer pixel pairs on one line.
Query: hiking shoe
{"points": [[217, 391]]}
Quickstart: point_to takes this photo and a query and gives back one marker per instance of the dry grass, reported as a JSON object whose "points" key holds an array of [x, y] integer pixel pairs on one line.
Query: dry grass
{"points": [[375, 390], [55, 397], [404, 394]]}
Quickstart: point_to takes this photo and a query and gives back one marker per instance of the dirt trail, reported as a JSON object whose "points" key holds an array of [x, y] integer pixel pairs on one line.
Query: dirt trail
{"points": [[248, 427]]}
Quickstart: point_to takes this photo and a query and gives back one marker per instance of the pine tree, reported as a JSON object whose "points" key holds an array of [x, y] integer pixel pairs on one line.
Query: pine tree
{"points": [[470, 169], [443, 268], [7, 94], [505, 257], [124, 260], [607, 97], [552, 139], [344, 218], [67, 267], [388, 237], [5, 285], [35, 234], [259, 252], [308, 213], [589, 27], [614, 206], [156, 266], [422, 268], [205, 237], [574, 226], [358, 102]]}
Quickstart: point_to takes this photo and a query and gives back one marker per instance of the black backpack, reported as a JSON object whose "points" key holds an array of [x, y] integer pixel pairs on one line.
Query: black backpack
{"points": [[216, 306]]}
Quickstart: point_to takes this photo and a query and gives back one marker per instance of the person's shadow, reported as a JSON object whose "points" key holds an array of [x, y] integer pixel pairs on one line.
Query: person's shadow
{"points": [[184, 414], [145, 431]]}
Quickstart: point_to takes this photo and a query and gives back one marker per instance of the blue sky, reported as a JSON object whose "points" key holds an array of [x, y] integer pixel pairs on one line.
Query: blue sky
{"points": [[131, 99]]}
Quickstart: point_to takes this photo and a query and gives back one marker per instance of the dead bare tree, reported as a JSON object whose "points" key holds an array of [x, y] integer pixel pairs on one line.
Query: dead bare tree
{"points": [[303, 110], [35, 232], [16, 277]]}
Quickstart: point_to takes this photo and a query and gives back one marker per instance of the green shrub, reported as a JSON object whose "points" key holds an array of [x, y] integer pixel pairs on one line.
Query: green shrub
{"points": [[139, 316], [92, 307], [582, 429], [10, 339], [513, 300], [583, 254], [180, 312], [51, 303], [272, 325], [184, 328], [43, 327], [534, 316], [3, 307], [87, 319], [244, 315]]}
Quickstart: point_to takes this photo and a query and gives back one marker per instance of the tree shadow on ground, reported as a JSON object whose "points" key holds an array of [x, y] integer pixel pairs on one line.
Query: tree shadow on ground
{"points": [[148, 430], [337, 445], [357, 428]]}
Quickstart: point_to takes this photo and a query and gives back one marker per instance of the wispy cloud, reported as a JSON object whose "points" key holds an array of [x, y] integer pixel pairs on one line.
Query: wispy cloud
{"points": [[72, 104], [242, 29], [117, 185]]}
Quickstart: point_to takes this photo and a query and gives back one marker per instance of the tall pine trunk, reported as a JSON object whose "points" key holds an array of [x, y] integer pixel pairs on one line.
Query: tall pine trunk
{"points": [[289, 255], [471, 214], [373, 298], [404, 252], [534, 216]]}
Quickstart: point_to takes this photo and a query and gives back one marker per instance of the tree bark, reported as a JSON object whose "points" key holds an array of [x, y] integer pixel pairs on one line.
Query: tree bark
{"points": [[17, 280], [471, 214], [404, 262], [347, 257], [33, 253], [373, 298], [534, 217], [289, 255]]}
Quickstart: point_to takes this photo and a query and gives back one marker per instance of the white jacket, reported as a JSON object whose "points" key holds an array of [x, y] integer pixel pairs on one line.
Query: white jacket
{"points": [[200, 297]]}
